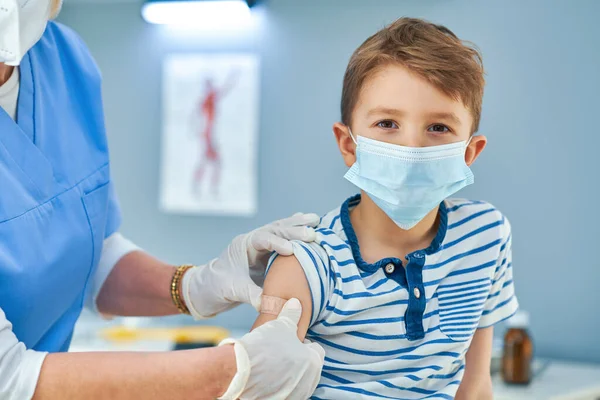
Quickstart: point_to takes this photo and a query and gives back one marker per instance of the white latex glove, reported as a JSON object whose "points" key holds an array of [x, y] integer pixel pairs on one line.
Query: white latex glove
{"points": [[231, 279], [273, 364]]}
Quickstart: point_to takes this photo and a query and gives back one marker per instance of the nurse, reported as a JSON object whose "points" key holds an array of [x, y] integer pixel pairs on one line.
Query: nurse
{"points": [[60, 248]]}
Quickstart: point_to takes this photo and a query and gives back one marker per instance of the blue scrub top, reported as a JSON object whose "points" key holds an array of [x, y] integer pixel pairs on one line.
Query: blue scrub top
{"points": [[57, 203]]}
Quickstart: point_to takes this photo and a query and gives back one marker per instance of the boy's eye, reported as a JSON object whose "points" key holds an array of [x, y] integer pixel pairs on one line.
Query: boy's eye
{"points": [[387, 124], [438, 128]]}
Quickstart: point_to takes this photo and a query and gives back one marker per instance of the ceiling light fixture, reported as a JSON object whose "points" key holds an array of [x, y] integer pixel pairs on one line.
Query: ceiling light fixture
{"points": [[198, 13]]}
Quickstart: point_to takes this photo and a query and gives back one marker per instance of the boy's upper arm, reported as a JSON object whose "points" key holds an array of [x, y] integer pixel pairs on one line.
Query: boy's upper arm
{"points": [[476, 382], [286, 280], [479, 355]]}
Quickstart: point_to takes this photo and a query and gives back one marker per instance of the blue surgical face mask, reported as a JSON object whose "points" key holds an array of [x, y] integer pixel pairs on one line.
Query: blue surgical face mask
{"points": [[408, 182]]}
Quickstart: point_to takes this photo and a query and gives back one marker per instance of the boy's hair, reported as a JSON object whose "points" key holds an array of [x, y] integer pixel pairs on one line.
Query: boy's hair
{"points": [[431, 51]]}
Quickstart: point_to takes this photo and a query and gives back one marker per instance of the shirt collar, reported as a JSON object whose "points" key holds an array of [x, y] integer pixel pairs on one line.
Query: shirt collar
{"points": [[353, 240]]}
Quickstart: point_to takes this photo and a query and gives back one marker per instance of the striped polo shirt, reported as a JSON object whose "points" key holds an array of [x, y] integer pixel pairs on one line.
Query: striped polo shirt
{"points": [[400, 329]]}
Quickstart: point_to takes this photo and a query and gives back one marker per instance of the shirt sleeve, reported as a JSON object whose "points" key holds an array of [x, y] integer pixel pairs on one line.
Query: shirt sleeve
{"points": [[19, 368], [501, 302], [315, 264], [114, 248]]}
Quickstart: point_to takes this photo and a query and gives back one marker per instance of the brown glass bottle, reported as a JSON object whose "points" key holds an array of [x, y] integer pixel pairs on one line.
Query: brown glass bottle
{"points": [[518, 351]]}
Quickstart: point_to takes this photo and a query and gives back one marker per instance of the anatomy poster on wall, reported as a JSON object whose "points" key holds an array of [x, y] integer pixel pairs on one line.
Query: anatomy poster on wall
{"points": [[210, 123]]}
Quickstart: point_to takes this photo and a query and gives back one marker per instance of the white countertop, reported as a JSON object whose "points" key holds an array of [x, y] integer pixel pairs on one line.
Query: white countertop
{"points": [[556, 380], [86, 336]]}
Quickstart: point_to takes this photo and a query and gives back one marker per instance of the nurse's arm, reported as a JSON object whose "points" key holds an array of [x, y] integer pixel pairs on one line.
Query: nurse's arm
{"points": [[286, 280], [477, 382], [198, 374], [138, 285]]}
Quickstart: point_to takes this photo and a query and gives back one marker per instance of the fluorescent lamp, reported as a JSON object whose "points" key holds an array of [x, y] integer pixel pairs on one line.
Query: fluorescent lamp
{"points": [[198, 13]]}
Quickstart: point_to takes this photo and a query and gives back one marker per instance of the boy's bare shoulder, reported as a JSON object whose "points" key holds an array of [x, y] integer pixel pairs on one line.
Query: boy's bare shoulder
{"points": [[285, 277], [286, 280]]}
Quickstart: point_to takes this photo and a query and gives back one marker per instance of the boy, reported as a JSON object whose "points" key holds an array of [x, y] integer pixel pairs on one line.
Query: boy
{"points": [[403, 286]]}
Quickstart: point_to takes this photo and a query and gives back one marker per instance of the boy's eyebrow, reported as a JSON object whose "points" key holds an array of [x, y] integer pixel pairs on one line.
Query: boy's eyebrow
{"points": [[447, 116], [385, 110], [444, 116]]}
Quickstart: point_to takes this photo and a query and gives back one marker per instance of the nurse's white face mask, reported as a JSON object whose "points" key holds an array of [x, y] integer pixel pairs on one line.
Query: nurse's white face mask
{"points": [[22, 24]]}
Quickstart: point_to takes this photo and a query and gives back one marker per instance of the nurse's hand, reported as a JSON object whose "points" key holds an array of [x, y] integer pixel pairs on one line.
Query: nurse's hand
{"points": [[233, 278], [272, 363]]}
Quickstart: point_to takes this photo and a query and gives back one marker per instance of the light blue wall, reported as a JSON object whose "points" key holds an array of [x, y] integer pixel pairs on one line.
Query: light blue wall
{"points": [[541, 103]]}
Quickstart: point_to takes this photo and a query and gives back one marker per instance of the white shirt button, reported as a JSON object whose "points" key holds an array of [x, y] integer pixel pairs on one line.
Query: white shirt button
{"points": [[390, 268], [417, 292]]}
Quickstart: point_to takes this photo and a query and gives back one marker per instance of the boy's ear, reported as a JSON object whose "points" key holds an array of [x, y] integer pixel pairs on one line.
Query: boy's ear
{"points": [[475, 148], [345, 143]]}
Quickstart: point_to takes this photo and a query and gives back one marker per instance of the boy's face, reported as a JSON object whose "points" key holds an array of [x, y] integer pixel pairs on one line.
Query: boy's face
{"points": [[399, 107]]}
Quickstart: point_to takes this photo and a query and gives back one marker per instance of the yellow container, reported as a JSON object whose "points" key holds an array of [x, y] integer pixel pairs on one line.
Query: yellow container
{"points": [[205, 335]]}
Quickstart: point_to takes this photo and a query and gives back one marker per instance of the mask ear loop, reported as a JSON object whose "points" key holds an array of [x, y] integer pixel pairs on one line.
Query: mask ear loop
{"points": [[352, 136], [469, 141]]}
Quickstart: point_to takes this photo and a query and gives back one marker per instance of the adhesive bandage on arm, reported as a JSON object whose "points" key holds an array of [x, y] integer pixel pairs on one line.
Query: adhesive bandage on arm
{"points": [[271, 305]]}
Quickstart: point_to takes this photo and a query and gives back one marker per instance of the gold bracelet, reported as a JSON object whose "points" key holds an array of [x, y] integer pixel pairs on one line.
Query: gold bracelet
{"points": [[175, 292]]}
